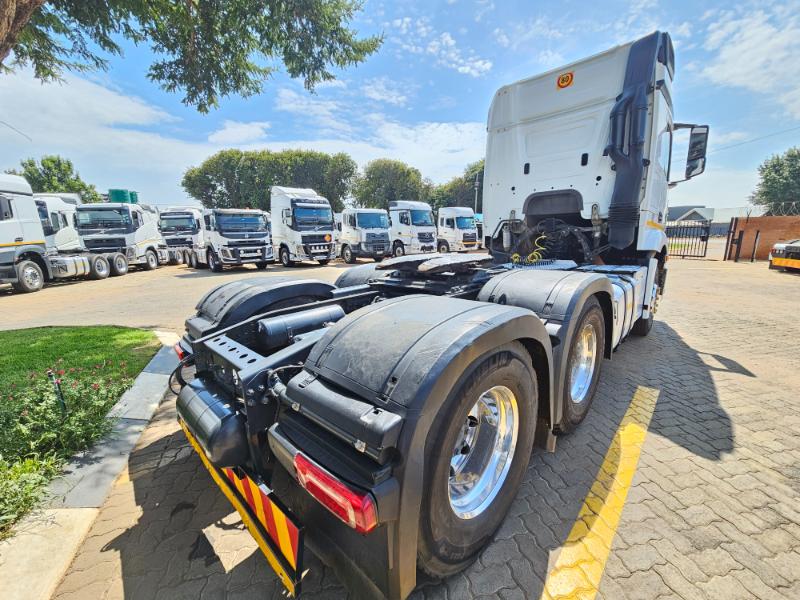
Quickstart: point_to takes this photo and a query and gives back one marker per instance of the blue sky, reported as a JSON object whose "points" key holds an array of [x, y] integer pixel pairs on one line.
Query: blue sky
{"points": [[424, 96]]}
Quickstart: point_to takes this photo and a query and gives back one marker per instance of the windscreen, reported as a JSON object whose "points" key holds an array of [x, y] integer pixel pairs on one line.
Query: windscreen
{"points": [[177, 223], [465, 222], [241, 222], [372, 220], [104, 218], [422, 218], [313, 216]]}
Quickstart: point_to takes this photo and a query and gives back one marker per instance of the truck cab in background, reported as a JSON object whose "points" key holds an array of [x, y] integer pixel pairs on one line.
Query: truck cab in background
{"points": [[412, 228], [302, 226], [58, 222], [364, 234], [181, 228], [234, 237], [127, 228], [456, 229]]}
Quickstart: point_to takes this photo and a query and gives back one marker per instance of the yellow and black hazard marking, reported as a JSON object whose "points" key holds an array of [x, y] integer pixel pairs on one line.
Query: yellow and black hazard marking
{"points": [[791, 263], [275, 531]]}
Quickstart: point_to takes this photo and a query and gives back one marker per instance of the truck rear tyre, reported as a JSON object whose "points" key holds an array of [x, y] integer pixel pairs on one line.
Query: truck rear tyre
{"points": [[187, 259], [29, 277], [477, 452], [399, 249], [285, 258], [98, 267], [150, 260], [443, 247], [213, 262], [348, 256], [583, 365], [118, 264]]}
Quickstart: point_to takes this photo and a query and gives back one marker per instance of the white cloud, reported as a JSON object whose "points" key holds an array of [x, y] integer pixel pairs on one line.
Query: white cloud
{"points": [[549, 59], [419, 37], [332, 83], [328, 114], [501, 38], [531, 32], [383, 89], [237, 132], [757, 51], [483, 7]]}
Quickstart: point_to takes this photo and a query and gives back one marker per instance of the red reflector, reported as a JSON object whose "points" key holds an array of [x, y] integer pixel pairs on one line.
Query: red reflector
{"points": [[179, 351], [356, 509]]}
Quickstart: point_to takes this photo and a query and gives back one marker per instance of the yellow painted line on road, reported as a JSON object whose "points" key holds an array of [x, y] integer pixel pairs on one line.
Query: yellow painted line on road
{"points": [[582, 560]]}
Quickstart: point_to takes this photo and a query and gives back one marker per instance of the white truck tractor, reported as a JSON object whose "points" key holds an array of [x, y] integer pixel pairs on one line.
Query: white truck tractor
{"points": [[364, 234], [181, 228], [456, 230], [386, 421], [124, 228], [233, 237], [412, 228], [39, 242], [302, 226]]}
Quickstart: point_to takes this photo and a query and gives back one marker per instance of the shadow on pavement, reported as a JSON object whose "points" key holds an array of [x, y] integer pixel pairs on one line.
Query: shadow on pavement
{"points": [[186, 543]]}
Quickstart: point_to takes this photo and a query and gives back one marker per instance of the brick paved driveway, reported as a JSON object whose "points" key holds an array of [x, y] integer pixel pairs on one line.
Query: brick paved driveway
{"points": [[713, 510]]}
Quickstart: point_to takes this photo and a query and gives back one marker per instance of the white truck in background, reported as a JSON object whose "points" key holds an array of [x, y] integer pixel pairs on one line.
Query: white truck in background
{"points": [[302, 226], [233, 237], [125, 228], [456, 229], [412, 228], [39, 242], [364, 233], [182, 230]]}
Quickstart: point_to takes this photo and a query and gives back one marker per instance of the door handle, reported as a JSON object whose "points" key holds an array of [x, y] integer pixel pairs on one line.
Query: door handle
{"points": [[18, 239]]}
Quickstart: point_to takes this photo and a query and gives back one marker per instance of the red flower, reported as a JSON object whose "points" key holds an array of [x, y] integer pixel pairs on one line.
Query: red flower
{"points": [[95, 386], [72, 369], [60, 372]]}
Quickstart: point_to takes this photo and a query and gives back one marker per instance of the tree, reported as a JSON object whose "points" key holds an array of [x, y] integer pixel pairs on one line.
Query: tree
{"points": [[207, 49], [460, 191], [240, 179], [56, 174], [386, 180], [779, 183]]}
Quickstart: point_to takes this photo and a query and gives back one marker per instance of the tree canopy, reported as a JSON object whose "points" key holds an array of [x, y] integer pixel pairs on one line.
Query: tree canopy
{"points": [[56, 174], [240, 179], [206, 49], [460, 191], [386, 180], [779, 184]]}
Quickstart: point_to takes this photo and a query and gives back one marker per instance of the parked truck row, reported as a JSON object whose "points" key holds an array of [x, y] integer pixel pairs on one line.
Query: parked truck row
{"points": [[386, 421]]}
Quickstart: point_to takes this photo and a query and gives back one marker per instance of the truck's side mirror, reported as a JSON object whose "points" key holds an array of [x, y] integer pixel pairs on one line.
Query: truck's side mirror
{"points": [[696, 157], [286, 214]]}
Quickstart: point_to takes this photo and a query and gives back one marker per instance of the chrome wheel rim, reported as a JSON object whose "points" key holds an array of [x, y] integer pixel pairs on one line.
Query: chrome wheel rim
{"points": [[120, 263], [151, 259], [584, 360], [483, 452], [101, 267], [31, 276]]}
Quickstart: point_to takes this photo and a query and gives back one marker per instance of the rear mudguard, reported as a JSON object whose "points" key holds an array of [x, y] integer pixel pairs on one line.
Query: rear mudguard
{"points": [[408, 355], [234, 302], [558, 298]]}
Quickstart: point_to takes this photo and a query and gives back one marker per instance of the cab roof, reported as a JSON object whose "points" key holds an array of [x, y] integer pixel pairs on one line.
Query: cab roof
{"points": [[409, 205], [15, 184]]}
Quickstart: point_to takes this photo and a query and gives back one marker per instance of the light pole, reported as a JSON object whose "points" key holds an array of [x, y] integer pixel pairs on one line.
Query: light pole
{"points": [[477, 185]]}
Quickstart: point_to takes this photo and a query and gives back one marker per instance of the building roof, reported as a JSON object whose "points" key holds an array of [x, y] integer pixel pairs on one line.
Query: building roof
{"points": [[690, 213]]}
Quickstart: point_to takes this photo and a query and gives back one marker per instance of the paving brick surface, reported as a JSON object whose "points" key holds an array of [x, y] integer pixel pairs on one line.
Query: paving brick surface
{"points": [[713, 511]]}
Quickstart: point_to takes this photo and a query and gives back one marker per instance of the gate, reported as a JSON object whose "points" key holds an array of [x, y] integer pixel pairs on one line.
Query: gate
{"points": [[688, 239]]}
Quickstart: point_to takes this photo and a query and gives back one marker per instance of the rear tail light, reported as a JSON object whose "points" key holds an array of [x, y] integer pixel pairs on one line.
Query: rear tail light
{"points": [[355, 509], [179, 351]]}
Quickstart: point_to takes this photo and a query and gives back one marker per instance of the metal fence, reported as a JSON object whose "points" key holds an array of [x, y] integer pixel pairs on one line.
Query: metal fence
{"points": [[688, 239]]}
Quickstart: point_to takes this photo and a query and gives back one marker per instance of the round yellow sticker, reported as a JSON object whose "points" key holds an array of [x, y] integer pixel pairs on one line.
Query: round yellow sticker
{"points": [[565, 80]]}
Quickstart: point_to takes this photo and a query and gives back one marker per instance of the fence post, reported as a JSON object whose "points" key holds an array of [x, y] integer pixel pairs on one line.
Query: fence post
{"points": [[739, 246], [755, 246], [729, 238]]}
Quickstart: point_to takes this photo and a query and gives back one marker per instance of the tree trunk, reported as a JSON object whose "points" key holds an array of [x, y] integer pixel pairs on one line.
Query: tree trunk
{"points": [[14, 15]]}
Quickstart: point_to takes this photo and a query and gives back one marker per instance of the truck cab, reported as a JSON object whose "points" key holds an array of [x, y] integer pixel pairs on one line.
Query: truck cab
{"points": [[303, 226], [127, 228], [58, 222], [234, 237], [412, 228], [456, 229], [181, 228], [364, 234]]}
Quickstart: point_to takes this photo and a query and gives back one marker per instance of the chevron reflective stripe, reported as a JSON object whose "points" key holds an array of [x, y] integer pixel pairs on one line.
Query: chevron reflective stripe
{"points": [[280, 528], [277, 535]]}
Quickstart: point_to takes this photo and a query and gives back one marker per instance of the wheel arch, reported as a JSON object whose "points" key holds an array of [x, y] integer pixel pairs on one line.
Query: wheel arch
{"points": [[35, 255]]}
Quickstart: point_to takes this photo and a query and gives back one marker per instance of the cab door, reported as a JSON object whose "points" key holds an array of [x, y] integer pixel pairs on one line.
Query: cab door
{"points": [[11, 231]]}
